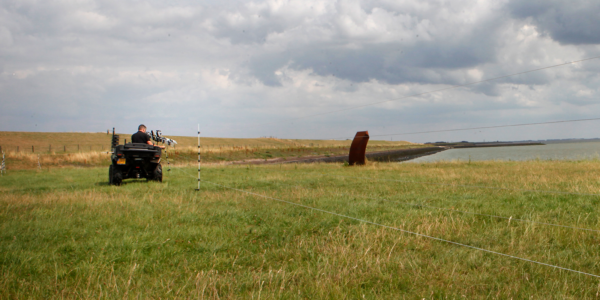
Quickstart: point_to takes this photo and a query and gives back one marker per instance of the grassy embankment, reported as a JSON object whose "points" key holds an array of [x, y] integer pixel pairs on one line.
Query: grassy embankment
{"points": [[61, 149], [65, 233]]}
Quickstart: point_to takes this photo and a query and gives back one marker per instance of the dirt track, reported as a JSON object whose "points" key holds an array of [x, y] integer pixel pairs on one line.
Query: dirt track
{"points": [[389, 155]]}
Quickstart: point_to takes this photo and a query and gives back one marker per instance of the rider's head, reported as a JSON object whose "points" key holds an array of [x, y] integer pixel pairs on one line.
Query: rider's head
{"points": [[142, 128]]}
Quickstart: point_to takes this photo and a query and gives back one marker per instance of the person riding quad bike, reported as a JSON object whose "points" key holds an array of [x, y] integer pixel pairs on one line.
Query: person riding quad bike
{"points": [[141, 137], [138, 159]]}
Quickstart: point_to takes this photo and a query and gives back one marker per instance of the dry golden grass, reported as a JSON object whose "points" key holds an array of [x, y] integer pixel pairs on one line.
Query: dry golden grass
{"points": [[93, 148], [83, 142], [24, 160]]}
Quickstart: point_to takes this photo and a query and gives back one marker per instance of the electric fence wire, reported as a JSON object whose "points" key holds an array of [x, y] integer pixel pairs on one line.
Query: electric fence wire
{"points": [[168, 163], [470, 186], [437, 90], [483, 127], [406, 231], [488, 127], [455, 210], [450, 209]]}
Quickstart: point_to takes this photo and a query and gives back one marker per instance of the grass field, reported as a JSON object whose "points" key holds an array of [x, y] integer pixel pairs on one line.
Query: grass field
{"points": [[66, 234]]}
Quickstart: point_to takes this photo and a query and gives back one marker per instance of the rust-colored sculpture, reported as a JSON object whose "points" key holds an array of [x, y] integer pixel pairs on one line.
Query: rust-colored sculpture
{"points": [[358, 148]]}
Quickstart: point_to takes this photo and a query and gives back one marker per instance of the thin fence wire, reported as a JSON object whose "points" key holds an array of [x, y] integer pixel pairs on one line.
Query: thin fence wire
{"points": [[469, 186], [168, 163], [63, 148], [406, 231], [423, 235], [449, 209], [442, 208], [434, 91], [489, 127]]}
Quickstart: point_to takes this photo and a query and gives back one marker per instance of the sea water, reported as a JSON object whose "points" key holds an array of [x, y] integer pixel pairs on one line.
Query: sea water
{"points": [[554, 151]]}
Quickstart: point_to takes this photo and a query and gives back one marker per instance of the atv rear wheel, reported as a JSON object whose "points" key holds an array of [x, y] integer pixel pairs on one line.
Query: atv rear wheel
{"points": [[158, 173], [110, 175], [117, 178]]}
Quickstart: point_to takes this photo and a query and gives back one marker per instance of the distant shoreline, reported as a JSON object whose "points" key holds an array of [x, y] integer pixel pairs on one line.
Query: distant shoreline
{"points": [[501, 144]]}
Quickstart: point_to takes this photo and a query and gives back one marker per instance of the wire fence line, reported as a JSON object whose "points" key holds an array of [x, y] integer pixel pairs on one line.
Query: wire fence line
{"points": [[54, 148], [453, 210], [449, 209], [490, 127], [434, 91], [405, 231], [467, 186], [183, 172], [470, 186]]}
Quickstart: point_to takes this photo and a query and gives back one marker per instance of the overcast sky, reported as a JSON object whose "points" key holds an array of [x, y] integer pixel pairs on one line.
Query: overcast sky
{"points": [[264, 68]]}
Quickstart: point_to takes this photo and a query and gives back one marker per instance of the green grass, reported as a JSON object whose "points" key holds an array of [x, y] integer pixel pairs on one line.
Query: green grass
{"points": [[65, 233]]}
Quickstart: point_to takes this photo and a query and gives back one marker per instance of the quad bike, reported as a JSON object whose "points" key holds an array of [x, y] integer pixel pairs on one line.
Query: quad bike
{"points": [[134, 160]]}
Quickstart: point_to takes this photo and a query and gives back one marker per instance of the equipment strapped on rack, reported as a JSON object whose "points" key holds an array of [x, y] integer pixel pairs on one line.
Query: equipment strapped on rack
{"points": [[114, 141], [157, 137]]}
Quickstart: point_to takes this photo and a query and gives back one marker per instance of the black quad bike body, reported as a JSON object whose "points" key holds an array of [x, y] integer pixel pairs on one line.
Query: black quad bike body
{"points": [[134, 160]]}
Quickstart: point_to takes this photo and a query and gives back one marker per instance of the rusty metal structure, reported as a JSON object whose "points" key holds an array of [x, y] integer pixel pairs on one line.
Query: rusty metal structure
{"points": [[358, 149]]}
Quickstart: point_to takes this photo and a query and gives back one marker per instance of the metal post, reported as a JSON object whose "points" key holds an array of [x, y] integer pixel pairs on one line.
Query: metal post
{"points": [[3, 166], [198, 189], [39, 165]]}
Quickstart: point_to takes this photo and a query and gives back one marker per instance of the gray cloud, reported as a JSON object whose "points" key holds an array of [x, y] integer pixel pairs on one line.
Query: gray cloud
{"points": [[400, 47], [568, 22]]}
